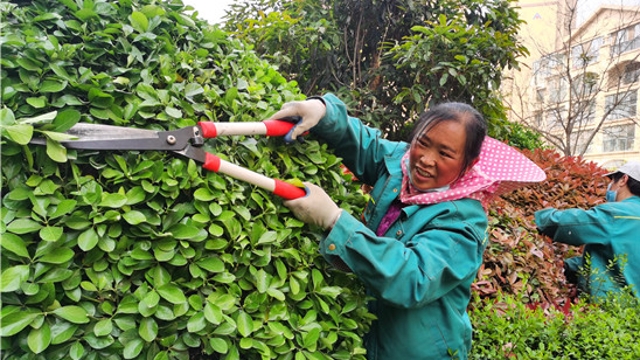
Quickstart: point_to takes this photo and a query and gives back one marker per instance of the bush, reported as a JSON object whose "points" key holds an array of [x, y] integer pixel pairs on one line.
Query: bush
{"points": [[129, 254], [507, 328], [520, 261]]}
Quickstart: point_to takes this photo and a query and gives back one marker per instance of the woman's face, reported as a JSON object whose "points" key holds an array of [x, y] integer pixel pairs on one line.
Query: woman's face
{"points": [[436, 157]]}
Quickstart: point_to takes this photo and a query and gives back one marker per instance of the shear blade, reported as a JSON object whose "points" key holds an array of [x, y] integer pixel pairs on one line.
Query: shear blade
{"points": [[108, 137]]}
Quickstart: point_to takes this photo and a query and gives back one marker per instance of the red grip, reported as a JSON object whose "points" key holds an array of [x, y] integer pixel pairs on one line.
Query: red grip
{"points": [[288, 191], [211, 162], [278, 127], [209, 130]]}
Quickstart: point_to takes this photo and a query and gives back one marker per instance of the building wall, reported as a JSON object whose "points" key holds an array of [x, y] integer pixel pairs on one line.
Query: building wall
{"points": [[547, 30]]}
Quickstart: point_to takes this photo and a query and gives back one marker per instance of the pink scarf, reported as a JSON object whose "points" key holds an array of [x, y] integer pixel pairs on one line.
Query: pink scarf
{"points": [[500, 169]]}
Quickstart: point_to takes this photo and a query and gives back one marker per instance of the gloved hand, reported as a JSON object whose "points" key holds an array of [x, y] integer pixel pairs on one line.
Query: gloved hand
{"points": [[316, 208], [310, 111]]}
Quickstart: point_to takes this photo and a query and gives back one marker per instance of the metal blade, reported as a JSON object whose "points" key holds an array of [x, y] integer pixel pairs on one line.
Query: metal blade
{"points": [[108, 137], [88, 132]]}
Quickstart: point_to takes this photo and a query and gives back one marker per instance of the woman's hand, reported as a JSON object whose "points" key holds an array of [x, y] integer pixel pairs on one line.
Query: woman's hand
{"points": [[310, 112], [316, 208]]}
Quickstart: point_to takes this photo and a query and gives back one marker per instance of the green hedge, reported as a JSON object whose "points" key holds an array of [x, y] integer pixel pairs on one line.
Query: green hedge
{"points": [[509, 329], [110, 255]]}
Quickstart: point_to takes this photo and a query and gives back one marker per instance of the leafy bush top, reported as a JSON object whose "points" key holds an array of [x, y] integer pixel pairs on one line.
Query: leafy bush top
{"points": [[520, 261], [140, 254]]}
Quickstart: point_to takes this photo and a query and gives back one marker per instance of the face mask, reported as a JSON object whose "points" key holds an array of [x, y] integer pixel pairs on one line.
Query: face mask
{"points": [[611, 194]]}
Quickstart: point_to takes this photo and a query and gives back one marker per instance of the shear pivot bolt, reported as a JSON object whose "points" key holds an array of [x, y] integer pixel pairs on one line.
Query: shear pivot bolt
{"points": [[171, 139]]}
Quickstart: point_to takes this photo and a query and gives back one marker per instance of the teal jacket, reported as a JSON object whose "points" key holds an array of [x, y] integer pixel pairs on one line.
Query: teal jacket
{"points": [[420, 272], [609, 231]]}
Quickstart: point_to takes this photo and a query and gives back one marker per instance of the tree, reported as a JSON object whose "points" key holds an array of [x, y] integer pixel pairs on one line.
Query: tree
{"points": [[390, 59], [580, 93]]}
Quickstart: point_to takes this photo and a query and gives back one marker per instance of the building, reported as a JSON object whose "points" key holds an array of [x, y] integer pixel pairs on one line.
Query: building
{"points": [[579, 85]]}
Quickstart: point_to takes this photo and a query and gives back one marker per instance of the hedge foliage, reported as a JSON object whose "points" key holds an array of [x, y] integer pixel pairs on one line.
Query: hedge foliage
{"points": [[128, 254], [509, 329], [518, 260]]}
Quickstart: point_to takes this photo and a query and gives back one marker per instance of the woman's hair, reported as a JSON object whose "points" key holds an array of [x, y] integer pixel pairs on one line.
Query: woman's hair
{"points": [[474, 124], [632, 184]]}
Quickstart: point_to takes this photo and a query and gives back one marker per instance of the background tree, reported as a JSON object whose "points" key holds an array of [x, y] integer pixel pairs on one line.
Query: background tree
{"points": [[390, 59], [583, 87]]}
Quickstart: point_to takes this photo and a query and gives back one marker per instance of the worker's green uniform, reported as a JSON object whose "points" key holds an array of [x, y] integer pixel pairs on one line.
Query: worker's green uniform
{"points": [[421, 270], [609, 231]]}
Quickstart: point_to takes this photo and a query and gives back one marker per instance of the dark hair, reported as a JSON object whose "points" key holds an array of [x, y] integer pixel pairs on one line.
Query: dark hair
{"points": [[632, 184], [474, 124]]}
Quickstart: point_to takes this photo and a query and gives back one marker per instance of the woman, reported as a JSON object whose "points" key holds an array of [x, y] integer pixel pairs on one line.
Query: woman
{"points": [[421, 239]]}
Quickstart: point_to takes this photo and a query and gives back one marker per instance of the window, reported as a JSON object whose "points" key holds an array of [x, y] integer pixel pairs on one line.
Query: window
{"points": [[618, 138], [580, 142], [554, 118], [584, 85], [538, 119], [631, 73], [621, 106], [584, 113], [547, 66], [587, 53], [558, 90], [626, 40]]}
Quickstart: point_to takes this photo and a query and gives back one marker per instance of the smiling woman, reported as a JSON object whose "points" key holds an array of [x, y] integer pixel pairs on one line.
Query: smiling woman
{"points": [[211, 11]]}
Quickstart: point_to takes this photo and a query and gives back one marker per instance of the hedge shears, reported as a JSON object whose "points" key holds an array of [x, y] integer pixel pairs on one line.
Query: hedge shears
{"points": [[188, 142]]}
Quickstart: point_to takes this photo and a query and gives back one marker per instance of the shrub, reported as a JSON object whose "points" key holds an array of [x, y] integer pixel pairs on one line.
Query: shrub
{"points": [[507, 328], [520, 261], [140, 254]]}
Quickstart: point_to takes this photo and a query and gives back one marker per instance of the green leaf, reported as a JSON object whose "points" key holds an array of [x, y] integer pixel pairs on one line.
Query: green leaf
{"points": [[14, 323], [14, 243], [268, 237], [40, 119], [37, 102], [103, 327], [181, 231], [72, 313], [212, 264], [203, 194], [51, 233], [148, 329], [193, 89], [244, 323], [58, 256], [76, 351], [134, 217], [133, 348], [88, 239], [139, 22], [63, 208], [149, 304], [172, 294], [196, 322], [19, 133], [52, 86], [56, 151], [6, 117], [113, 200], [39, 339], [219, 345], [213, 313], [13, 277], [65, 120]]}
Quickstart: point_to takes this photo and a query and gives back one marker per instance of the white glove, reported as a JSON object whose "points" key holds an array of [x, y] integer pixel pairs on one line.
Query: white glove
{"points": [[310, 112], [316, 208]]}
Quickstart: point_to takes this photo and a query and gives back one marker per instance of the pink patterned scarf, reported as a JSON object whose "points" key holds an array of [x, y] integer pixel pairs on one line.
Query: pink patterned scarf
{"points": [[500, 169]]}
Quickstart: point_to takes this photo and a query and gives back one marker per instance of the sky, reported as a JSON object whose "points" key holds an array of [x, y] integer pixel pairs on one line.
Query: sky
{"points": [[210, 10], [587, 7], [213, 10]]}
